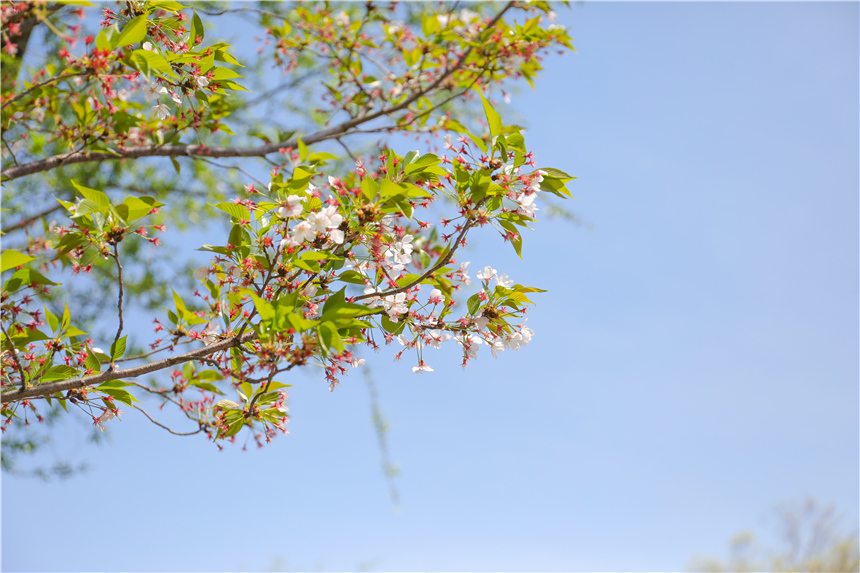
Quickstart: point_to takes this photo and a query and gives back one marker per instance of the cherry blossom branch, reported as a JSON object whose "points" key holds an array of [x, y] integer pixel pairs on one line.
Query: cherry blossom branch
{"points": [[439, 264], [263, 150], [133, 372]]}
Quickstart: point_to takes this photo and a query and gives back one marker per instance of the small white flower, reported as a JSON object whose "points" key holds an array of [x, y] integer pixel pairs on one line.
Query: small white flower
{"points": [[502, 280], [152, 91], [161, 111], [466, 15], [201, 273], [337, 236], [202, 81], [176, 98], [449, 141], [436, 339], [147, 46], [341, 19], [443, 20], [358, 362], [38, 114], [551, 15], [97, 349], [310, 290], [487, 274], [233, 271], [293, 208], [301, 233], [421, 368], [108, 415], [210, 333], [395, 305], [436, 296]]}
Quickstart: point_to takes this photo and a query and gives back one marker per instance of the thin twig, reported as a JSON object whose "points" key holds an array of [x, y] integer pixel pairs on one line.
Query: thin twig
{"points": [[29, 220], [42, 84], [159, 424], [237, 168], [140, 356], [119, 303]]}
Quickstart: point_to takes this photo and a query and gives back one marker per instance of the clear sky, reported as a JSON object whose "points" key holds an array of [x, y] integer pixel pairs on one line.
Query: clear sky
{"points": [[695, 359]]}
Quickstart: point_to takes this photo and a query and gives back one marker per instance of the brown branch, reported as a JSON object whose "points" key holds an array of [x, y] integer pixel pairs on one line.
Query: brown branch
{"points": [[261, 151], [119, 304], [133, 372]]}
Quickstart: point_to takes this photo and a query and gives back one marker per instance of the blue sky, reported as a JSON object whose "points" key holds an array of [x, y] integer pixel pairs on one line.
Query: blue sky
{"points": [[695, 359]]}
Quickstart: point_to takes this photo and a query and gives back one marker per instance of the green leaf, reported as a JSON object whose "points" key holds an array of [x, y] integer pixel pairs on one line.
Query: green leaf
{"points": [[493, 119], [391, 326], [300, 323], [53, 321], [97, 197], [303, 150], [115, 384], [134, 32], [329, 338], [264, 308], [196, 30], [146, 62], [92, 363], [180, 306], [61, 372], [226, 405], [137, 208], [117, 349], [474, 303], [352, 277], [227, 74], [11, 259], [123, 396], [234, 210]]}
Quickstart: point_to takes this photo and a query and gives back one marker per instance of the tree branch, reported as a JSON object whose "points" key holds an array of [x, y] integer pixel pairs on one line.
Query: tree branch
{"points": [[261, 151], [159, 424], [119, 304], [133, 372]]}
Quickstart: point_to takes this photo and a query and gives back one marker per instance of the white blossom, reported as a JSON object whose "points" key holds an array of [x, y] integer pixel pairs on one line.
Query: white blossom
{"points": [[152, 91], [201, 273], [341, 19], [502, 280], [161, 111]]}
